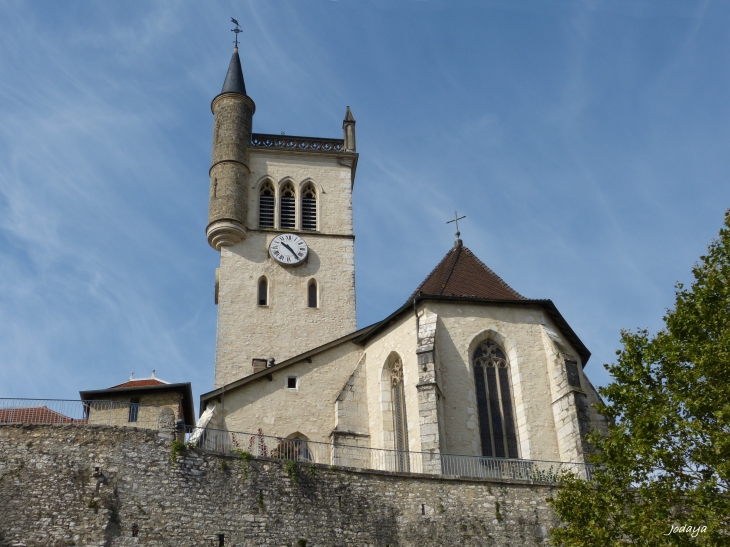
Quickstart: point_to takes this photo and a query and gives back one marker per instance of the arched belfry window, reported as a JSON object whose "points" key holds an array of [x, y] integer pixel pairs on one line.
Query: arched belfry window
{"points": [[266, 206], [263, 296], [312, 294], [309, 208], [400, 421], [287, 207], [494, 401]]}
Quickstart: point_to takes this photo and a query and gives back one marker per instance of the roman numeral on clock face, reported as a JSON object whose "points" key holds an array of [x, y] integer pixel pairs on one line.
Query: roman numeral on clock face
{"points": [[288, 249]]}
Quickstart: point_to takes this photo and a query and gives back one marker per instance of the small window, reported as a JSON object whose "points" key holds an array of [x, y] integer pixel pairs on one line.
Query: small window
{"points": [[133, 409], [287, 211], [266, 206], [309, 208], [291, 382], [263, 292], [312, 294], [571, 368]]}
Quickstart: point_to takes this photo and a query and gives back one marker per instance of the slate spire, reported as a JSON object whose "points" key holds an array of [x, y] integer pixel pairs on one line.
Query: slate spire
{"points": [[234, 77]]}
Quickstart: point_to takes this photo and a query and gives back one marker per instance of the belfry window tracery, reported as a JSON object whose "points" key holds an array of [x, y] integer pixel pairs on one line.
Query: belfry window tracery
{"points": [[309, 208], [494, 401], [400, 420], [287, 207], [266, 206]]}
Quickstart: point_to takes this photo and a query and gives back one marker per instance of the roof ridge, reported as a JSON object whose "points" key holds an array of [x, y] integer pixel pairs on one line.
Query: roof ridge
{"points": [[451, 269], [429, 275]]}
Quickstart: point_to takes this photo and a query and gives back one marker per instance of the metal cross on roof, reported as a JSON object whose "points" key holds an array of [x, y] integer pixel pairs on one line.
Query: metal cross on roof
{"points": [[236, 30], [456, 219]]}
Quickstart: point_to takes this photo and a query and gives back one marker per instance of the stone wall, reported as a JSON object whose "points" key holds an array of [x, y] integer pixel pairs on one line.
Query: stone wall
{"points": [[110, 412], [91, 485]]}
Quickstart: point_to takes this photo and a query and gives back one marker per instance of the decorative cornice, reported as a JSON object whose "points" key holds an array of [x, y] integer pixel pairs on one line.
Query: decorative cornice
{"points": [[302, 144]]}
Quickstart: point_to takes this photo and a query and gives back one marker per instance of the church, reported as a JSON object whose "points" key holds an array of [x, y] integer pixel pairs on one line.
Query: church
{"points": [[466, 366]]}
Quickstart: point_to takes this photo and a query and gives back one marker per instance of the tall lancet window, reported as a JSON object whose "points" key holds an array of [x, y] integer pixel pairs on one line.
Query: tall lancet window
{"points": [[263, 295], [266, 206], [312, 294], [287, 208], [400, 421], [309, 208], [494, 401]]}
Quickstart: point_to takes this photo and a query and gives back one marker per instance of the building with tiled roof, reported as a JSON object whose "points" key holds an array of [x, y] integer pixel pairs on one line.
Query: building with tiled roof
{"points": [[466, 366], [137, 402]]}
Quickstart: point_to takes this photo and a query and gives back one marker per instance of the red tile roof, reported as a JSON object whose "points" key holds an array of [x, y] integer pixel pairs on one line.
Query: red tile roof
{"points": [[35, 415], [460, 273], [141, 383]]}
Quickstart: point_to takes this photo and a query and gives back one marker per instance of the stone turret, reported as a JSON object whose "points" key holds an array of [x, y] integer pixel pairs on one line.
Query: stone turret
{"points": [[233, 111], [348, 127]]}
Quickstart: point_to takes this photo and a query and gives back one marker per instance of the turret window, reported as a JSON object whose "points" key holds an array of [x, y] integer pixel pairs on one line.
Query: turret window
{"points": [[312, 294], [309, 208], [287, 209], [263, 292], [494, 401]]}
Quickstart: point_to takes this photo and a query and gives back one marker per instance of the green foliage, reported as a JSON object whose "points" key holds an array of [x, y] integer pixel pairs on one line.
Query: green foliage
{"points": [[224, 465], [291, 470], [245, 462], [93, 504], [551, 475], [301, 542], [665, 461], [177, 448]]}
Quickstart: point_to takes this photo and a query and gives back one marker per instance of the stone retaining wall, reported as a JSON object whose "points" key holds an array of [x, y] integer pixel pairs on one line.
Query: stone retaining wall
{"points": [[94, 485]]}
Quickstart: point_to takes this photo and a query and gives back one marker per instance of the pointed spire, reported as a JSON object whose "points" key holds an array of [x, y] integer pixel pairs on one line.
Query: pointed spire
{"points": [[348, 115], [348, 128], [234, 78]]}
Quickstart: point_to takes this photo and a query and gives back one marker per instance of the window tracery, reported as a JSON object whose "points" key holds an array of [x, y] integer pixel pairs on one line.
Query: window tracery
{"points": [[494, 401], [400, 421]]}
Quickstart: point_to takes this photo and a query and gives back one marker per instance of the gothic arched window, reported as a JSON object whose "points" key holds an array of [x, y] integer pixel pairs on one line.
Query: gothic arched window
{"points": [[494, 401], [263, 292], [400, 421], [309, 208], [287, 207], [312, 294], [266, 206]]}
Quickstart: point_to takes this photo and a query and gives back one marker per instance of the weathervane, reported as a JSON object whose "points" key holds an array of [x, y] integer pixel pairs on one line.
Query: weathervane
{"points": [[236, 30], [456, 219]]}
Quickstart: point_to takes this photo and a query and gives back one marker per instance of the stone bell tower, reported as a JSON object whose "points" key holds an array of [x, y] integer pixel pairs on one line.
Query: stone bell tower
{"points": [[233, 111], [269, 195]]}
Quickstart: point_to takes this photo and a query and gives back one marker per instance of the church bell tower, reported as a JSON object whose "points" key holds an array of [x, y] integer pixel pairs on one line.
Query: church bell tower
{"points": [[280, 215]]}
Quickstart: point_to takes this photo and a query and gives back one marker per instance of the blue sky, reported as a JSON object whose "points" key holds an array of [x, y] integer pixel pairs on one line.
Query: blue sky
{"points": [[587, 142]]}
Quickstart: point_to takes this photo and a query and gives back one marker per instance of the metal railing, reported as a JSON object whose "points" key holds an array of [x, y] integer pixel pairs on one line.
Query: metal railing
{"points": [[114, 413], [305, 451], [59, 411]]}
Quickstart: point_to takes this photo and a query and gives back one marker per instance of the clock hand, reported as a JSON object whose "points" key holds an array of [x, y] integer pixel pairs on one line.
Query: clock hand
{"points": [[290, 249]]}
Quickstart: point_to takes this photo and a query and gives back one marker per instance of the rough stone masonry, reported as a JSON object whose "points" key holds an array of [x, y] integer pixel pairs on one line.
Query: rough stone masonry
{"points": [[108, 486]]}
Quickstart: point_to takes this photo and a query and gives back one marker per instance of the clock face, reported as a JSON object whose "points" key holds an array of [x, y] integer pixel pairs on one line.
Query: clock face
{"points": [[288, 249]]}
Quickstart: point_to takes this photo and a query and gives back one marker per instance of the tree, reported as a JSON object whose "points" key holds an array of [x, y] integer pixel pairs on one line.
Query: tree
{"points": [[665, 462]]}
